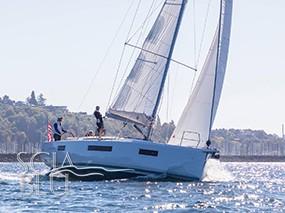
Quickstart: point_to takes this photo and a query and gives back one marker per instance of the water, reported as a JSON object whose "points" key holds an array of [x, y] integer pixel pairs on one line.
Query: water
{"points": [[227, 187]]}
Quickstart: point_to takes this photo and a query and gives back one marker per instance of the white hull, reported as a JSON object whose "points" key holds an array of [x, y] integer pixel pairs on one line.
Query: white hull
{"points": [[136, 157]]}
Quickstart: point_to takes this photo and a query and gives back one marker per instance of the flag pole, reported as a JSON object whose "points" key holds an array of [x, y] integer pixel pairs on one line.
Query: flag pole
{"points": [[49, 131]]}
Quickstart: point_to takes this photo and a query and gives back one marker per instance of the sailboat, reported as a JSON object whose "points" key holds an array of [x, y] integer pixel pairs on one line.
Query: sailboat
{"points": [[187, 151]]}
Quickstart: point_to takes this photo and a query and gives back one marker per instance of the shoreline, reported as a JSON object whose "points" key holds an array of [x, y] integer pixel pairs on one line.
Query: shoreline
{"points": [[13, 158], [253, 158], [4, 158]]}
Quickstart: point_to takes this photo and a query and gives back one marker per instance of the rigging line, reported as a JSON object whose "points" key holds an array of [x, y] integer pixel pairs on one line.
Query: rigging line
{"points": [[147, 22], [146, 19], [195, 49], [133, 52], [149, 88], [121, 57], [165, 30], [151, 8], [173, 40], [203, 33], [167, 107], [174, 88], [172, 100], [197, 57], [138, 104], [121, 129], [195, 34], [143, 25], [105, 56], [145, 77], [129, 62], [185, 65], [144, 96]]}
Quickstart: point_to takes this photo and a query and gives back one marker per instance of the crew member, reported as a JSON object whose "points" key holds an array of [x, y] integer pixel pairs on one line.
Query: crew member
{"points": [[99, 121], [58, 130]]}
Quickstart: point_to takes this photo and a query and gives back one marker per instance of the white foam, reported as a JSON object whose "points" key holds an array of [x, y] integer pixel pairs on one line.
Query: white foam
{"points": [[11, 177], [16, 177], [215, 172]]}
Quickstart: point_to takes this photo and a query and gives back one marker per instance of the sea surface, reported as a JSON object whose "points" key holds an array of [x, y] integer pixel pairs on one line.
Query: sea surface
{"points": [[227, 187]]}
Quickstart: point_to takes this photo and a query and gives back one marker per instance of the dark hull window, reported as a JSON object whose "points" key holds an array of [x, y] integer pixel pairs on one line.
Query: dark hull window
{"points": [[60, 148], [148, 152], [100, 148]]}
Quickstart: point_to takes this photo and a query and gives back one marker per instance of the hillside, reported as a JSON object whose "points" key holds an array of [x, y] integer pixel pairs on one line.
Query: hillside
{"points": [[23, 127]]}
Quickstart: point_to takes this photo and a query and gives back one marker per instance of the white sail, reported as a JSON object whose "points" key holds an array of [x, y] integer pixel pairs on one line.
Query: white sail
{"points": [[138, 97], [195, 123]]}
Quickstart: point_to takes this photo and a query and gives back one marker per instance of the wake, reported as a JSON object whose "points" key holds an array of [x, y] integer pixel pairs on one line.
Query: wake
{"points": [[15, 178], [215, 172]]}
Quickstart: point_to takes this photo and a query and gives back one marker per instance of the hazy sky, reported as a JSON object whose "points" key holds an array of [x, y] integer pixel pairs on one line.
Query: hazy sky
{"points": [[55, 47]]}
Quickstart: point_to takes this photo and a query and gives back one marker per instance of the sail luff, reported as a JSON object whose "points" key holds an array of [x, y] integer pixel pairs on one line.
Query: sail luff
{"points": [[223, 46], [154, 114], [216, 69]]}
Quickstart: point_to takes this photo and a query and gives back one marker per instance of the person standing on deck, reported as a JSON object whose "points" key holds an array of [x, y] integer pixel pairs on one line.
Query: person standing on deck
{"points": [[99, 121], [58, 130]]}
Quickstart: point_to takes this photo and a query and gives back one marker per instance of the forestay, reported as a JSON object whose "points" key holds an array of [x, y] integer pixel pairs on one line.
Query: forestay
{"points": [[137, 99], [194, 126]]}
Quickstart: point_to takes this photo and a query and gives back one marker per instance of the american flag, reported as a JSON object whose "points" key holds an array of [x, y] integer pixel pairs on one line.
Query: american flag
{"points": [[49, 132]]}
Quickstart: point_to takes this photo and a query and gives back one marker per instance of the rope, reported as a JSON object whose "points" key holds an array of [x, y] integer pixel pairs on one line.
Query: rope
{"points": [[195, 49], [139, 37], [121, 57], [203, 32], [196, 60], [150, 12], [104, 58], [167, 106], [147, 18], [132, 54]]}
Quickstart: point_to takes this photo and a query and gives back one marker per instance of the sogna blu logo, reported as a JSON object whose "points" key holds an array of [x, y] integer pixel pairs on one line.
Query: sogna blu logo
{"points": [[67, 171]]}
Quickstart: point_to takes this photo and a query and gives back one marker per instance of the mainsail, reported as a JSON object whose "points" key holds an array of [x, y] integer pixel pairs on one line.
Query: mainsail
{"points": [[138, 99], [194, 126]]}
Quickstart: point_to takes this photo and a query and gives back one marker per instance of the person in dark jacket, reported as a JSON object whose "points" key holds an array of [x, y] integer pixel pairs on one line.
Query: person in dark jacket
{"points": [[99, 121], [58, 130]]}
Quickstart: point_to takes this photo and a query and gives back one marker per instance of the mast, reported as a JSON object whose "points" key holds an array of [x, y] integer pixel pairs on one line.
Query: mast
{"points": [[216, 70], [166, 69]]}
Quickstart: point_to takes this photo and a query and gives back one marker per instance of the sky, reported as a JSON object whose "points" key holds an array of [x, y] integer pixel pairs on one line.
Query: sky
{"points": [[59, 48]]}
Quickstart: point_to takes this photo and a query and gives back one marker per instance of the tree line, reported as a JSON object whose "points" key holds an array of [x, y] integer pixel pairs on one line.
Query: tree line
{"points": [[23, 127], [31, 100]]}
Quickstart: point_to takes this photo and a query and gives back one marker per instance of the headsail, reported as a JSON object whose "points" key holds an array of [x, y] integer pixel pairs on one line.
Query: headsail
{"points": [[195, 123], [137, 100]]}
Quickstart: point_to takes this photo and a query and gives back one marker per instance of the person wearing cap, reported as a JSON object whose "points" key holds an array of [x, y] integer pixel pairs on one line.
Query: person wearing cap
{"points": [[58, 130], [99, 121]]}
